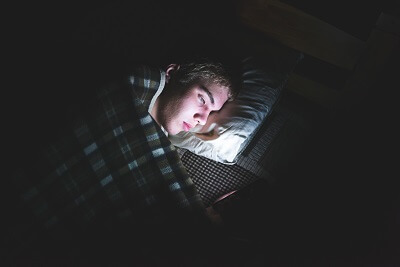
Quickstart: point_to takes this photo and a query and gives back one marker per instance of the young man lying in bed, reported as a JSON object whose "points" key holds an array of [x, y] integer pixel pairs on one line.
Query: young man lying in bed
{"points": [[113, 170]]}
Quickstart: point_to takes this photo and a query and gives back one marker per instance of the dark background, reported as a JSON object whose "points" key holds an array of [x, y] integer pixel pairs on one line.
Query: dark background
{"points": [[338, 202]]}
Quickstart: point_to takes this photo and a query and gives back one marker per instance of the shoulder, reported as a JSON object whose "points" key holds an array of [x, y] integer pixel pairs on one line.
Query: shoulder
{"points": [[145, 76], [145, 82]]}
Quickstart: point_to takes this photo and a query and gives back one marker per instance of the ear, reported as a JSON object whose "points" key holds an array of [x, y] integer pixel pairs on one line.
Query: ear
{"points": [[170, 69]]}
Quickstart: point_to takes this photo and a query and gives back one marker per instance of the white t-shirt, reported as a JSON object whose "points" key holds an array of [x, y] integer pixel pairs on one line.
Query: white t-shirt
{"points": [[157, 94]]}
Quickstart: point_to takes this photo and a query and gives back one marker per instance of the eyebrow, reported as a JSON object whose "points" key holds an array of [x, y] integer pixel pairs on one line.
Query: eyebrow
{"points": [[202, 87]]}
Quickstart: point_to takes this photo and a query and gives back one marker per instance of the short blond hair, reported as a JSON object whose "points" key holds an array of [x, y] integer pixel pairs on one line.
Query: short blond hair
{"points": [[204, 70]]}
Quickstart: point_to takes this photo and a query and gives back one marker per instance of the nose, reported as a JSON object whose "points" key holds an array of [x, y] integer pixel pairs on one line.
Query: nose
{"points": [[201, 118]]}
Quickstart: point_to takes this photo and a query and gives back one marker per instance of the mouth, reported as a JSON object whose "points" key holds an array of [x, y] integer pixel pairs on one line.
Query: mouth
{"points": [[187, 126]]}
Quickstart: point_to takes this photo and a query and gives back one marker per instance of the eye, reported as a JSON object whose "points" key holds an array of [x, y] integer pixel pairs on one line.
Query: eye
{"points": [[201, 100]]}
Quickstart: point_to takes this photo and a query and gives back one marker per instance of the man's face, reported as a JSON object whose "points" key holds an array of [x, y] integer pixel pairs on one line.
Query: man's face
{"points": [[182, 113]]}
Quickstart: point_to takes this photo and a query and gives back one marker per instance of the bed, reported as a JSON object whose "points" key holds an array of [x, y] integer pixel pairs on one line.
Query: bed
{"points": [[295, 54], [278, 41]]}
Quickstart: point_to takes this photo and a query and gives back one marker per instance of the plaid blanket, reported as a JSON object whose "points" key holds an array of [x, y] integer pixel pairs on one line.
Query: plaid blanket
{"points": [[111, 166]]}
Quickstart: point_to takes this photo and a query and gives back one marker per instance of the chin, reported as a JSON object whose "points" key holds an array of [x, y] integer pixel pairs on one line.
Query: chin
{"points": [[170, 131], [173, 132]]}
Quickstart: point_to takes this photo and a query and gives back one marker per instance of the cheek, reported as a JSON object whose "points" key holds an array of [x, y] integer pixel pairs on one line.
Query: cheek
{"points": [[188, 106]]}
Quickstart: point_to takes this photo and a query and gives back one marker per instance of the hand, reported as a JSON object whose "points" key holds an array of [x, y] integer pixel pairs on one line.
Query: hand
{"points": [[214, 216]]}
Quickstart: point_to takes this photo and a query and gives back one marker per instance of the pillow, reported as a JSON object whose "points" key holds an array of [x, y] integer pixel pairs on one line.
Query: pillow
{"points": [[228, 131]]}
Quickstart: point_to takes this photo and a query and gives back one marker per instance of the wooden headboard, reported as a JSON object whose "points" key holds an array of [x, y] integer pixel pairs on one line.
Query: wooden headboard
{"points": [[359, 60]]}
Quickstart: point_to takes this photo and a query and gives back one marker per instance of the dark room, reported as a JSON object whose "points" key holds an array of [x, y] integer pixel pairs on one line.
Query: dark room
{"points": [[288, 158]]}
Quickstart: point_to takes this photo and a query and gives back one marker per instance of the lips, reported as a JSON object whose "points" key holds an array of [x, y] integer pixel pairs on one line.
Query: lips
{"points": [[187, 126]]}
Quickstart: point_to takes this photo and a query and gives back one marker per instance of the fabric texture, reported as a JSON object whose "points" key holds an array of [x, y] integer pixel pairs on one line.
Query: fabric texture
{"points": [[214, 179], [263, 80], [112, 166]]}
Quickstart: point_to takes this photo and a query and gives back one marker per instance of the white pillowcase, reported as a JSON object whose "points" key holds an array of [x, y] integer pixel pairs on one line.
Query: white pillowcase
{"points": [[238, 120]]}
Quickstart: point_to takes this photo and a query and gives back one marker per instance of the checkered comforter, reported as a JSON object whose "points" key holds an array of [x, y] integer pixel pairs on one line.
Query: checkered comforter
{"points": [[112, 164]]}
